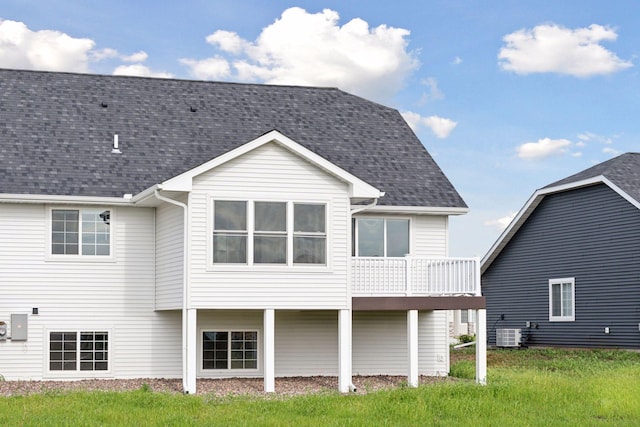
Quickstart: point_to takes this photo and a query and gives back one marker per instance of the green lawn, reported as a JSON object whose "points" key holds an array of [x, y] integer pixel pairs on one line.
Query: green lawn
{"points": [[526, 388]]}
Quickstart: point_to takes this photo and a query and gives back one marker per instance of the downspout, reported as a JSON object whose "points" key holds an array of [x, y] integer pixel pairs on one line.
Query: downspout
{"points": [[185, 282]]}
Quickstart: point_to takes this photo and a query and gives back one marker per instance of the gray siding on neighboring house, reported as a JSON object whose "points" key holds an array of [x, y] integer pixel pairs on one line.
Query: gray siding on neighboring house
{"points": [[591, 234]]}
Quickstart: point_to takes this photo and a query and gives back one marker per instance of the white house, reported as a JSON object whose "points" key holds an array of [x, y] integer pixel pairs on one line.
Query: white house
{"points": [[184, 229]]}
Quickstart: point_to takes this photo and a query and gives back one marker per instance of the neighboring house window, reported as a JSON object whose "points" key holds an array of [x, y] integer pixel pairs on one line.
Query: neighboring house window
{"points": [[73, 351], [84, 232], [230, 350], [381, 237], [265, 226], [562, 300]]}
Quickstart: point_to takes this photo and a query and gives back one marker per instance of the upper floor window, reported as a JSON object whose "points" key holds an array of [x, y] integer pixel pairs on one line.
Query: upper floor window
{"points": [[269, 233], [83, 232], [562, 300], [381, 237]]}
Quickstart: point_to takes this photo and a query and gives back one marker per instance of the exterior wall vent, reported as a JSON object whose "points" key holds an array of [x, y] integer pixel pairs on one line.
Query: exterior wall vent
{"points": [[508, 337]]}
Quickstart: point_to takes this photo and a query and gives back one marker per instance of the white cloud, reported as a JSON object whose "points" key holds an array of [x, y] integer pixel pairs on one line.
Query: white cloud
{"points": [[209, 69], [303, 48], [23, 48], [501, 223], [440, 126], [457, 60], [555, 49], [139, 70], [611, 151], [543, 148], [433, 92], [102, 54], [136, 57]]}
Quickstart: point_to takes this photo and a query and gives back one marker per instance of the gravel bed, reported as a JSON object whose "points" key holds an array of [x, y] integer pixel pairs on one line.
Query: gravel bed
{"points": [[288, 386]]}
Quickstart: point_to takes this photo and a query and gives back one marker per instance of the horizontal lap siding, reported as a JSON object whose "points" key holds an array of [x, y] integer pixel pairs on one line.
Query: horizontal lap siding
{"points": [[380, 343], [269, 173], [429, 236], [169, 256], [591, 234], [306, 343], [117, 296]]}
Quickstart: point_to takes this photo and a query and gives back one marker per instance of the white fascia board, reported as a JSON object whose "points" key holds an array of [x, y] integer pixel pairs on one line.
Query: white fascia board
{"points": [[534, 201], [416, 210], [61, 199], [358, 187]]}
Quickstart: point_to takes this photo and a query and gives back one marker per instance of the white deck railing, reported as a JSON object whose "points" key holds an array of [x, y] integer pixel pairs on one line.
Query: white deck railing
{"points": [[374, 276]]}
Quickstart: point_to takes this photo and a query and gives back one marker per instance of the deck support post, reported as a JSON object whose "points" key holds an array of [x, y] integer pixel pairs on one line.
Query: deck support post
{"points": [[190, 317], [412, 344], [344, 350], [481, 346], [269, 351]]}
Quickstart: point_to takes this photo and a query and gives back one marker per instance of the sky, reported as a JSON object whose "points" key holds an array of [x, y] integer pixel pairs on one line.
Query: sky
{"points": [[508, 96]]}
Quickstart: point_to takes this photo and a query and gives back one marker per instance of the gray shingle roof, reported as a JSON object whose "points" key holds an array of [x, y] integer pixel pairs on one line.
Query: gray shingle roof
{"points": [[57, 136], [623, 171]]}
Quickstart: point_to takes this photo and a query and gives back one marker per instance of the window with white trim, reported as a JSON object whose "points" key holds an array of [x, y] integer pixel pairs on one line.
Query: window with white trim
{"points": [[277, 233], [79, 351], [229, 350], [81, 232], [562, 300], [381, 237]]}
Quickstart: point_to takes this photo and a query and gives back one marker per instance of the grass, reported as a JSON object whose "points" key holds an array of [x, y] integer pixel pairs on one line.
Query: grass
{"points": [[526, 388]]}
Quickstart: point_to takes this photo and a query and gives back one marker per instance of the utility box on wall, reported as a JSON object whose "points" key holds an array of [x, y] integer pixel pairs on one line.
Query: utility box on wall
{"points": [[19, 323]]}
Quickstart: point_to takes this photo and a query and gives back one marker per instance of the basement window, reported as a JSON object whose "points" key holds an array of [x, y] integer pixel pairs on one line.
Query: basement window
{"points": [[79, 351], [229, 350]]}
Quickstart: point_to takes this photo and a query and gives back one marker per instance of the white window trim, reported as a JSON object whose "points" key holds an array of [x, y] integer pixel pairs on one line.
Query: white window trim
{"points": [[571, 318], [229, 370], [250, 265], [384, 236], [49, 256], [77, 373]]}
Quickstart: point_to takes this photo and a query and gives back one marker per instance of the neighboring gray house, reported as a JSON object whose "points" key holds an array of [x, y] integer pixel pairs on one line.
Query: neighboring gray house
{"points": [[567, 269], [184, 229]]}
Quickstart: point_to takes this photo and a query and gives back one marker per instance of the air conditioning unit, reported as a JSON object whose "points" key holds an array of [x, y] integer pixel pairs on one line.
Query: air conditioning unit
{"points": [[508, 337]]}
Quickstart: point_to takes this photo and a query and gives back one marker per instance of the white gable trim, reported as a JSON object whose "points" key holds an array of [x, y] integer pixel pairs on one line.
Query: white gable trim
{"points": [[417, 210], [533, 203], [358, 188]]}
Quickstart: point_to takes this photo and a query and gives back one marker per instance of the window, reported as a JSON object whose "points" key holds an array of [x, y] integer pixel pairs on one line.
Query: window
{"points": [[467, 316], [381, 237], [562, 300], [230, 350], [309, 234], [282, 233], [92, 353], [84, 232], [230, 232]]}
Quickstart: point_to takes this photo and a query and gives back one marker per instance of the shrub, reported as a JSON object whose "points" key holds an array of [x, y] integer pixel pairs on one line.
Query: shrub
{"points": [[464, 338]]}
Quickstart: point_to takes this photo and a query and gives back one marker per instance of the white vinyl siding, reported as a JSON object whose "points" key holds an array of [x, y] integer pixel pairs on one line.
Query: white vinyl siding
{"points": [[169, 256], [429, 236], [269, 173], [116, 296], [380, 343], [306, 343]]}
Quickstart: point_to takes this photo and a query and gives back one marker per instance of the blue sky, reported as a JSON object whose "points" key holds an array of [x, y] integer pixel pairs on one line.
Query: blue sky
{"points": [[508, 95]]}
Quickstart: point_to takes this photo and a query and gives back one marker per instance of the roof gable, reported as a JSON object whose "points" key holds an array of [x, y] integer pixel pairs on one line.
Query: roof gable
{"points": [[58, 130], [358, 188], [621, 174]]}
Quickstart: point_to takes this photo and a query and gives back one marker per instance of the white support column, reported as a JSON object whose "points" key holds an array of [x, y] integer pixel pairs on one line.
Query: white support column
{"points": [[412, 344], [481, 346], [189, 381], [269, 351], [344, 350]]}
